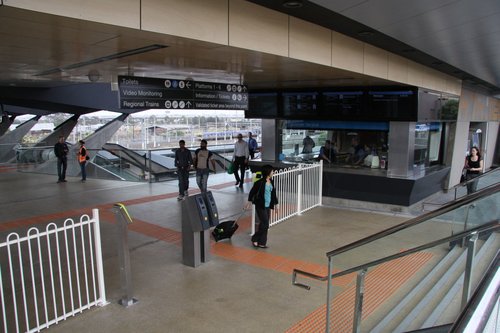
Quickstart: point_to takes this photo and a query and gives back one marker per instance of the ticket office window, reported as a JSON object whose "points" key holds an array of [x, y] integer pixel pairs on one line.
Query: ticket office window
{"points": [[302, 143]]}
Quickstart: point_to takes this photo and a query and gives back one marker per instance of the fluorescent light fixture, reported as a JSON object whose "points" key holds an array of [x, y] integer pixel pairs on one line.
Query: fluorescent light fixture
{"points": [[102, 59]]}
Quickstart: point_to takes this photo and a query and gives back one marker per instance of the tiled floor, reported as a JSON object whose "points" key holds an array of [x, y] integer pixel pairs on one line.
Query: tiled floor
{"points": [[241, 289]]}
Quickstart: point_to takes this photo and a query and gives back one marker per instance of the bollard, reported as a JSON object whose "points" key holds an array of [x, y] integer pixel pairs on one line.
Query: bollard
{"points": [[123, 219]]}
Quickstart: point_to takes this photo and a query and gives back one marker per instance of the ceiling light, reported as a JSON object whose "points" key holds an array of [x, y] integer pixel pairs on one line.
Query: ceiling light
{"points": [[366, 33], [293, 4], [102, 59], [409, 50], [94, 75]]}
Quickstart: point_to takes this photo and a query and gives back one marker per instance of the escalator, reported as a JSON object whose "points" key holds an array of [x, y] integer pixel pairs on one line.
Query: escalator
{"points": [[153, 165]]}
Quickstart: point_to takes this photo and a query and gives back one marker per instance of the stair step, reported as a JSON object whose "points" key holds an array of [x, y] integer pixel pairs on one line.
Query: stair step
{"points": [[451, 303], [431, 278], [436, 299]]}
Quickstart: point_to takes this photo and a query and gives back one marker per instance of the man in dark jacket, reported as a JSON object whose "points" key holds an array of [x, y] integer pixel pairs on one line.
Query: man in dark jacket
{"points": [[61, 151], [183, 162]]}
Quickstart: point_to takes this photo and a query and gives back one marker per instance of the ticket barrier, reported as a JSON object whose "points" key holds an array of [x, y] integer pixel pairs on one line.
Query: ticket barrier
{"points": [[213, 214], [123, 220], [199, 213]]}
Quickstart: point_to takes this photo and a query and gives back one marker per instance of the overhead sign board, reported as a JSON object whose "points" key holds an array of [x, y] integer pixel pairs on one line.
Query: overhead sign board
{"points": [[152, 93]]}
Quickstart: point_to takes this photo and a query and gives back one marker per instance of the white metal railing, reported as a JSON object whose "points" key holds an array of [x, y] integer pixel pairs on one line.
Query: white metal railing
{"points": [[46, 277], [298, 189]]}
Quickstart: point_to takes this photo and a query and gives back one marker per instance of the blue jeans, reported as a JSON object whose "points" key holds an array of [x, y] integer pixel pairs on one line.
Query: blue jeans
{"points": [[84, 172], [202, 179]]}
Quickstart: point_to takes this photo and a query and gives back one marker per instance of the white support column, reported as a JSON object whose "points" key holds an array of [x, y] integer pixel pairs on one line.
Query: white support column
{"points": [[98, 254], [299, 191], [321, 182]]}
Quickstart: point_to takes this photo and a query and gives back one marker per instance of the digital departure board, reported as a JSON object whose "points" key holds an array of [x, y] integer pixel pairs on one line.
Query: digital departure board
{"points": [[393, 105], [297, 104], [342, 104], [262, 105]]}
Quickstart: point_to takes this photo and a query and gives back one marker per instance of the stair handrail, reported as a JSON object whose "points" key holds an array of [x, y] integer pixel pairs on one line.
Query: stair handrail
{"points": [[419, 219], [493, 226], [362, 269], [463, 184], [482, 175], [402, 226], [467, 313]]}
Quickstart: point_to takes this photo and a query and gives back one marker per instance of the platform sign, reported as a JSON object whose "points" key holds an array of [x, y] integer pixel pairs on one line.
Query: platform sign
{"points": [[152, 93]]}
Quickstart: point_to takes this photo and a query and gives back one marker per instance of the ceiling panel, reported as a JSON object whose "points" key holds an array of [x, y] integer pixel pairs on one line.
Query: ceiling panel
{"points": [[454, 31]]}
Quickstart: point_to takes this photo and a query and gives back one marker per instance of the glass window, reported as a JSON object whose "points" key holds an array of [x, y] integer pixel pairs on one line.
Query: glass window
{"points": [[350, 146], [302, 145], [428, 138]]}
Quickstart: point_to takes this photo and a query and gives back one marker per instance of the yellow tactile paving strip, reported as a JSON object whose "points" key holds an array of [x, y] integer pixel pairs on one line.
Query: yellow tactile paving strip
{"points": [[380, 284]]}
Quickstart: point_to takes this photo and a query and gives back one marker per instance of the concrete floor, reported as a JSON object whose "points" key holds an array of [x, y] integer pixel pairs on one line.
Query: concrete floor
{"points": [[241, 289]]}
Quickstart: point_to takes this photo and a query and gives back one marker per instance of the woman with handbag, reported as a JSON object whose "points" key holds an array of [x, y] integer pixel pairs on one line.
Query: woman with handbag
{"points": [[263, 196], [474, 166]]}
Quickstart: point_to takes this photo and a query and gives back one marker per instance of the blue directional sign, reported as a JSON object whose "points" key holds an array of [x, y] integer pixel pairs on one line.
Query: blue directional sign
{"points": [[153, 93]]}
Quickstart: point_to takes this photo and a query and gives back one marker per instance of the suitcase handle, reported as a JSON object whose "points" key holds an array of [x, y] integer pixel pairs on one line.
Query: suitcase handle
{"points": [[237, 214]]}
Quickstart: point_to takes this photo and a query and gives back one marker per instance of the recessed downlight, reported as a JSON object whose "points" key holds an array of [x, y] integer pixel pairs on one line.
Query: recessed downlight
{"points": [[293, 4]]}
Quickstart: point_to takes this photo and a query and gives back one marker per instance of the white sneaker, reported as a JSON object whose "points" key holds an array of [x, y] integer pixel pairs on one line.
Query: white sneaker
{"points": [[180, 197]]}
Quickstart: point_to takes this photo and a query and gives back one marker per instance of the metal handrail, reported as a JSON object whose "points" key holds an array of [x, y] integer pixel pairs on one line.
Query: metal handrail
{"points": [[494, 225], [419, 219], [466, 315], [465, 183]]}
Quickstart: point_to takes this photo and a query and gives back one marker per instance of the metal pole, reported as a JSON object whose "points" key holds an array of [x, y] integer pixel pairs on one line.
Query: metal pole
{"points": [[462, 242], [321, 182], [150, 169], [328, 294], [358, 306], [469, 264], [123, 219], [299, 191]]}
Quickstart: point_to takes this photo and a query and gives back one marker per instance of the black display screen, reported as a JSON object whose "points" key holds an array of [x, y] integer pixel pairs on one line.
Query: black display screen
{"points": [[343, 104], [392, 105], [262, 105], [296, 104]]}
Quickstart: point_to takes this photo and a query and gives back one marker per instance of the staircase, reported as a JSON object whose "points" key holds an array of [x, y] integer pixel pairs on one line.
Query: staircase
{"points": [[435, 301], [439, 289]]}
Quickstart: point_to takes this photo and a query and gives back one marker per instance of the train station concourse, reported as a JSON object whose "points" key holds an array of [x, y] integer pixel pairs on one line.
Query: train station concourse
{"points": [[380, 120]]}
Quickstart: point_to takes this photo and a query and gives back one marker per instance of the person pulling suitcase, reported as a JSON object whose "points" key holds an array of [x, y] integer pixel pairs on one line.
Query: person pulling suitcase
{"points": [[263, 196]]}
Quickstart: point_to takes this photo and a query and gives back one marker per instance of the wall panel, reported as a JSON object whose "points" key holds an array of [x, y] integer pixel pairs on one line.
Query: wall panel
{"points": [[375, 62], [347, 53], [257, 28], [397, 68], [310, 42], [205, 20], [125, 13]]}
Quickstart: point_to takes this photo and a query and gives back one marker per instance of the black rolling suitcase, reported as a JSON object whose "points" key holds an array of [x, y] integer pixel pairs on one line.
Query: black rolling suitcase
{"points": [[225, 229]]}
